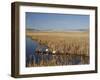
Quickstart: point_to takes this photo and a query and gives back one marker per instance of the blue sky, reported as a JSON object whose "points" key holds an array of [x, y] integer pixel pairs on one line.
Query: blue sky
{"points": [[52, 21]]}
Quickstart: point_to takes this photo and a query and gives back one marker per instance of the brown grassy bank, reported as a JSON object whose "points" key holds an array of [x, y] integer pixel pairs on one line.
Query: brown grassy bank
{"points": [[63, 42]]}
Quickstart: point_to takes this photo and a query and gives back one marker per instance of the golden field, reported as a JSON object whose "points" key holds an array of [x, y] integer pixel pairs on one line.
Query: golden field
{"points": [[63, 42]]}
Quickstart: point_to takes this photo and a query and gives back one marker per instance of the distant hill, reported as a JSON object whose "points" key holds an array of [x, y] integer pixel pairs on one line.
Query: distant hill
{"points": [[67, 30], [38, 30], [32, 30], [83, 29]]}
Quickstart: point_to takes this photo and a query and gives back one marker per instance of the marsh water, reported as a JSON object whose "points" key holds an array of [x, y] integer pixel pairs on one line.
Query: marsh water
{"points": [[33, 59]]}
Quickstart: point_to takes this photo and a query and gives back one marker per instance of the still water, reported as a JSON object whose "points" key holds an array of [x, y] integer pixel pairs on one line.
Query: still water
{"points": [[31, 46]]}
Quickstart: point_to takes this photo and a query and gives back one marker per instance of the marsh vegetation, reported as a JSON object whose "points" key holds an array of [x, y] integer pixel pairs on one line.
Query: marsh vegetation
{"points": [[61, 48]]}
